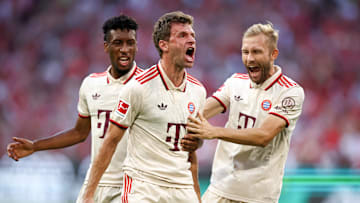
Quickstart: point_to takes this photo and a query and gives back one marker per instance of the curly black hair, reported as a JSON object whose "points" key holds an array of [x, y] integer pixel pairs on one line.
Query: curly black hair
{"points": [[122, 22]]}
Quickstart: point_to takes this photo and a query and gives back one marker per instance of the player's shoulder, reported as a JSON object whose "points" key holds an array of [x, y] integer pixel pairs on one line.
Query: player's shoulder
{"points": [[240, 76], [94, 79], [195, 83], [147, 75], [192, 80], [286, 82]]}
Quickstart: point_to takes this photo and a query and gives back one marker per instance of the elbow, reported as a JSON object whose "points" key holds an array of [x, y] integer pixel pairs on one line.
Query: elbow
{"points": [[264, 141], [82, 137]]}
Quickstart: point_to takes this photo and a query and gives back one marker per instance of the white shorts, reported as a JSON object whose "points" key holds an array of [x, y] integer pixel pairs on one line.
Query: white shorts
{"points": [[103, 194], [135, 191], [210, 197]]}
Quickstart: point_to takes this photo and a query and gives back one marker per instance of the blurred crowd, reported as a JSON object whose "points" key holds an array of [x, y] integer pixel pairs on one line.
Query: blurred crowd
{"points": [[48, 47]]}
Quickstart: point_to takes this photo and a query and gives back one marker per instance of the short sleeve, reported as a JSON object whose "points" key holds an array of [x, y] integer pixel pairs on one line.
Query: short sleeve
{"points": [[203, 100], [82, 106], [222, 95], [128, 106], [289, 105]]}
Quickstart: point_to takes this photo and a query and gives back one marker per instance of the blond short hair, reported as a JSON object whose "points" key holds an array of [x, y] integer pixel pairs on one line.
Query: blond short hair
{"points": [[265, 29]]}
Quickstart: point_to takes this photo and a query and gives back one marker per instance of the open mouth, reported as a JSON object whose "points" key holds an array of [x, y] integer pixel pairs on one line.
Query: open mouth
{"points": [[124, 61], [190, 51], [190, 54], [254, 69]]}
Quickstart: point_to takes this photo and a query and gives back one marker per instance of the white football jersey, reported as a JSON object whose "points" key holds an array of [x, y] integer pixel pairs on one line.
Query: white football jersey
{"points": [[97, 98], [252, 173], [156, 113]]}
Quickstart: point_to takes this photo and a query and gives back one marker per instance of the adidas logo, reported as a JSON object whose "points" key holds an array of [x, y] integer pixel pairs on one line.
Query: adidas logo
{"points": [[95, 96], [238, 98], [162, 106]]}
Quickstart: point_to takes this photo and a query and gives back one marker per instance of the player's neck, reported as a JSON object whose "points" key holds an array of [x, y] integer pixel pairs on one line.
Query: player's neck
{"points": [[174, 73]]}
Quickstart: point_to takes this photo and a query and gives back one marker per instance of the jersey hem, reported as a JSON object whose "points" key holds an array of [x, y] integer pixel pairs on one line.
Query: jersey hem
{"points": [[222, 103], [118, 124], [232, 197], [283, 117]]}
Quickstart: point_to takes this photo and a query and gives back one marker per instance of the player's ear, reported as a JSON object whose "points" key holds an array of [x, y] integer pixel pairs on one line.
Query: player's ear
{"points": [[274, 54], [164, 45], [106, 47]]}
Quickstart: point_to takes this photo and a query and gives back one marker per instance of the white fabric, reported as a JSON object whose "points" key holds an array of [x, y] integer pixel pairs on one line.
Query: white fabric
{"points": [[156, 113], [97, 98], [251, 173]]}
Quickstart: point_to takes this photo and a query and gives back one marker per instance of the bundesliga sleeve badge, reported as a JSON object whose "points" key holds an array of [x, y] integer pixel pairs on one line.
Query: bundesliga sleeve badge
{"points": [[122, 108]]}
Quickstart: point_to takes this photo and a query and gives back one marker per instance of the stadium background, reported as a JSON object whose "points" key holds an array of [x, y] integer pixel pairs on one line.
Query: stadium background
{"points": [[48, 47]]}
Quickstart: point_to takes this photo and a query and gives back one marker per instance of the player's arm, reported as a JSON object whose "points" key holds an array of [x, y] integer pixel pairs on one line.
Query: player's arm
{"points": [[212, 108], [24, 147], [261, 136], [102, 160], [194, 170]]}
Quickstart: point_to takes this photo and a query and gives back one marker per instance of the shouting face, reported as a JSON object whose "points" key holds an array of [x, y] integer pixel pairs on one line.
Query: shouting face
{"points": [[182, 44], [258, 58]]}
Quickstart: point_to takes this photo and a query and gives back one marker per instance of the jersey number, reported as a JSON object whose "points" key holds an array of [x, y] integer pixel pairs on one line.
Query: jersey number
{"points": [[177, 135], [106, 123]]}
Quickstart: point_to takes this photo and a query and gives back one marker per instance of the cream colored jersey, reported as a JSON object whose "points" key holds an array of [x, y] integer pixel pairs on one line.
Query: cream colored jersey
{"points": [[97, 98], [156, 113], [251, 173]]}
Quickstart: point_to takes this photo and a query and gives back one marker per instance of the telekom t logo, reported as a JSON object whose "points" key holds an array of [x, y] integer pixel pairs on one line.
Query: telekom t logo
{"points": [[246, 121], [177, 134], [107, 119]]}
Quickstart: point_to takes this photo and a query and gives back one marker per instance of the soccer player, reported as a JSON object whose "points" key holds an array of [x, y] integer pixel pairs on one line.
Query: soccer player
{"points": [[264, 106], [97, 97], [155, 107]]}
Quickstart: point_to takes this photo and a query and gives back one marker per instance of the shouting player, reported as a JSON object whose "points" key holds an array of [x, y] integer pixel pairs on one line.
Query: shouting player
{"points": [[155, 107], [264, 106]]}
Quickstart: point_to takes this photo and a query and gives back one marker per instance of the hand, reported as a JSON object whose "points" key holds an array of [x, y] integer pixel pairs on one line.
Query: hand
{"points": [[190, 143], [200, 128], [20, 148]]}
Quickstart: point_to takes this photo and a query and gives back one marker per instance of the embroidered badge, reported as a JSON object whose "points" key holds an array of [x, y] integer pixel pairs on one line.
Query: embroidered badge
{"points": [[266, 105], [288, 103], [191, 107]]}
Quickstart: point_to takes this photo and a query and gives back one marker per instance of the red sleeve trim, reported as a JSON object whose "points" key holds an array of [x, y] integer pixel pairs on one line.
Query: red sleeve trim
{"points": [[118, 124], [222, 104], [82, 116], [283, 117]]}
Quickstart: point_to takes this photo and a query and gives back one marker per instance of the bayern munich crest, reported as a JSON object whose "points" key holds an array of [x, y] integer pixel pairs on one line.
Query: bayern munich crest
{"points": [[266, 105], [191, 107]]}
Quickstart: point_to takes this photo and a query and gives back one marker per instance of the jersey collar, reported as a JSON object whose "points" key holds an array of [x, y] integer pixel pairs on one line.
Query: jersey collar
{"points": [[123, 79], [267, 84], [167, 82]]}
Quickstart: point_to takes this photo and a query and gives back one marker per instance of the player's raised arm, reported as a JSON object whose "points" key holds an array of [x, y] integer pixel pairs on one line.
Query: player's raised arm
{"points": [[112, 138], [23, 147]]}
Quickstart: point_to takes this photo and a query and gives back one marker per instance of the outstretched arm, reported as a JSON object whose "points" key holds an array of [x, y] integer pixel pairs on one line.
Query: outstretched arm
{"points": [[23, 147], [261, 136], [102, 160]]}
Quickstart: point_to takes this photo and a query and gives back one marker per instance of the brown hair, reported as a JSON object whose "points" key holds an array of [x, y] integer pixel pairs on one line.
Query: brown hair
{"points": [[162, 26]]}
